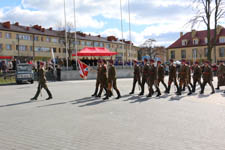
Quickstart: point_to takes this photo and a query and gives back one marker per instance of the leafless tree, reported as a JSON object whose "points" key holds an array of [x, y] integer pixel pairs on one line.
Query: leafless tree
{"points": [[147, 48], [204, 13]]}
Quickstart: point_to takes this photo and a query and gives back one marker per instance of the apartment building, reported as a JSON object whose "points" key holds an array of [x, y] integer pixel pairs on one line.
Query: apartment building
{"points": [[36, 42], [192, 46]]}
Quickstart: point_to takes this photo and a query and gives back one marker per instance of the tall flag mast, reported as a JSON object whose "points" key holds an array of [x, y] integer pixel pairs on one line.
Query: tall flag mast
{"points": [[129, 31], [75, 26], [121, 14], [66, 34]]}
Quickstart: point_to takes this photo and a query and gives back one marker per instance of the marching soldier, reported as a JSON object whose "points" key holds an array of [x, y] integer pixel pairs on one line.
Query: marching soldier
{"points": [[160, 74], [103, 79], [183, 76], [153, 79], [112, 80], [137, 76], [197, 76], [172, 76], [188, 77], [207, 77], [220, 75], [145, 72], [98, 79], [42, 83]]}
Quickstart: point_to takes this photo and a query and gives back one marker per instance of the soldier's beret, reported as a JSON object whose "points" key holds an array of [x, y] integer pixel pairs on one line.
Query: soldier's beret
{"points": [[171, 60], [42, 63], [159, 62], [135, 61], [104, 61], [183, 61], [111, 61], [145, 59], [196, 62], [207, 62], [99, 61], [152, 60]]}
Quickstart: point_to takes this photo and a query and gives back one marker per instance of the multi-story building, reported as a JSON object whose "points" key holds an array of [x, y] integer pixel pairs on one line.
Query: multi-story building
{"points": [[192, 46], [35, 42]]}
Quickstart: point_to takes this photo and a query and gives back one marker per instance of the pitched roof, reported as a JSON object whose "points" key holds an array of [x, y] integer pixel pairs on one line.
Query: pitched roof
{"points": [[200, 35]]}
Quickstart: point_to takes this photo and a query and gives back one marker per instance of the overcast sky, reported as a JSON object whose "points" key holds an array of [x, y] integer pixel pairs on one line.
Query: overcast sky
{"points": [[162, 20]]}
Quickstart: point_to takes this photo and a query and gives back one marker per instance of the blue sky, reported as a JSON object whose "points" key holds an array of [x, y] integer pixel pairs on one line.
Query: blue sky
{"points": [[162, 20]]}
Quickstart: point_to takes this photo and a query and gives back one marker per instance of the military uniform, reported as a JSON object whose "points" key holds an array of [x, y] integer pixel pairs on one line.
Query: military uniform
{"points": [[197, 77], [145, 77], [103, 80], [112, 80], [183, 79], [98, 80], [42, 84], [137, 77], [207, 78], [220, 76], [160, 75], [152, 80], [172, 77], [188, 68]]}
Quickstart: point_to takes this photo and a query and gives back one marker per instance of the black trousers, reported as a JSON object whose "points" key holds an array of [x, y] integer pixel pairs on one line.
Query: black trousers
{"points": [[210, 84], [135, 80], [144, 80], [97, 86], [195, 82]]}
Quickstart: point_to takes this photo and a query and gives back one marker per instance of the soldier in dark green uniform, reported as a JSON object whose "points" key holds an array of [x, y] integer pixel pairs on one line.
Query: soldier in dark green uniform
{"points": [[207, 77], [161, 74], [184, 78], [98, 79], [42, 83], [172, 76], [145, 76], [137, 76], [103, 79], [112, 79], [220, 75], [188, 77], [152, 80], [197, 76]]}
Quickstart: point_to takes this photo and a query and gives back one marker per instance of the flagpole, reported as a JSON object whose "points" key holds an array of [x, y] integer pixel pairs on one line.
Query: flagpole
{"points": [[75, 26], [121, 15], [129, 30], [66, 34]]}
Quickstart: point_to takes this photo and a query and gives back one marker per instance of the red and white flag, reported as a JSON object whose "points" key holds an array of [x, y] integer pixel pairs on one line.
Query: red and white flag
{"points": [[83, 69]]}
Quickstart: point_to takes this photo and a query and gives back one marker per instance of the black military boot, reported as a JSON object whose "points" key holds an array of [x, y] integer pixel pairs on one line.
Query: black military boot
{"points": [[149, 95], [179, 91], [159, 93], [190, 92], [107, 96], [218, 88], [184, 88], [202, 91], [118, 94], [168, 89], [49, 94], [34, 98], [95, 93]]}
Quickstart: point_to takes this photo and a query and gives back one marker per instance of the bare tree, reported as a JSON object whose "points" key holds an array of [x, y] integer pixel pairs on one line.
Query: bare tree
{"points": [[147, 48], [204, 10]]}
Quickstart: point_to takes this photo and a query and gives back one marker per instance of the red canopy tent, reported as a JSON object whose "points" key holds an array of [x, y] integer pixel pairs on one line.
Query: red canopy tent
{"points": [[95, 51]]}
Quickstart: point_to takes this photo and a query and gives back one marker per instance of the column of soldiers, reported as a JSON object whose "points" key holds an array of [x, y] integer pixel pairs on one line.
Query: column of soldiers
{"points": [[181, 77], [106, 79]]}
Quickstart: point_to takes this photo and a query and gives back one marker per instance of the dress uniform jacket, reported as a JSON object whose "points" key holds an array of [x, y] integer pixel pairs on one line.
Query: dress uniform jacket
{"points": [[172, 72], [207, 74], [197, 73], [160, 73]]}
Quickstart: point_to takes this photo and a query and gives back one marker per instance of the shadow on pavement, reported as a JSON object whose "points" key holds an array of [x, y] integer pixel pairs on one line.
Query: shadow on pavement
{"points": [[52, 104], [203, 96], [15, 104], [141, 100], [8, 84], [84, 100], [94, 103], [177, 98]]}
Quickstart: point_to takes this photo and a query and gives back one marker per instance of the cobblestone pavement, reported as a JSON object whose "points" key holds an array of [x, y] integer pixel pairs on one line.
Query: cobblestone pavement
{"points": [[75, 121]]}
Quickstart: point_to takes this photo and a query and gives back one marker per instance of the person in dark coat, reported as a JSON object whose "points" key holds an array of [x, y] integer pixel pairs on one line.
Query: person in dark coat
{"points": [[207, 77], [145, 76], [152, 80], [172, 76], [137, 76], [112, 80], [197, 74], [161, 74], [42, 83]]}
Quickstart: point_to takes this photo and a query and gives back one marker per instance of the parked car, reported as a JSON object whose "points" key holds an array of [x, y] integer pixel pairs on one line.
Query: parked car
{"points": [[24, 73]]}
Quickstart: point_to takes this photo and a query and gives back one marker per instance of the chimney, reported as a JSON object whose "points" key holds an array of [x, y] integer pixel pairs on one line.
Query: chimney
{"points": [[17, 24], [181, 34], [50, 28], [193, 33], [27, 28], [7, 24], [218, 29], [99, 36], [42, 29]]}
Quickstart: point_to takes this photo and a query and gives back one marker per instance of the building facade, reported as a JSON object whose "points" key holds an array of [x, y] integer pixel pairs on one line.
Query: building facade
{"points": [[36, 43], [192, 46]]}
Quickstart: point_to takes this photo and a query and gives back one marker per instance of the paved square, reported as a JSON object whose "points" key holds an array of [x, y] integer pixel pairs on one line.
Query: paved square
{"points": [[75, 121]]}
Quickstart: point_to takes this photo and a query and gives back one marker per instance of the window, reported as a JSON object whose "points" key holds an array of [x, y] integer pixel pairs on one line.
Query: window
{"points": [[42, 38], [194, 53], [64, 50], [195, 42], [36, 38], [221, 52], [82, 43], [42, 49], [222, 40], [184, 42], [77, 42], [54, 50], [108, 45], [183, 54], [21, 47], [206, 40], [89, 43], [31, 48], [101, 45], [8, 35], [1, 47], [59, 50], [172, 54], [23, 37], [8, 47], [0, 34], [205, 52], [48, 39], [54, 40], [96, 44]]}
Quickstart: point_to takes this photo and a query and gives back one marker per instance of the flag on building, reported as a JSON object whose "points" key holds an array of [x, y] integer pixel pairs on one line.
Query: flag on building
{"points": [[83, 69]]}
